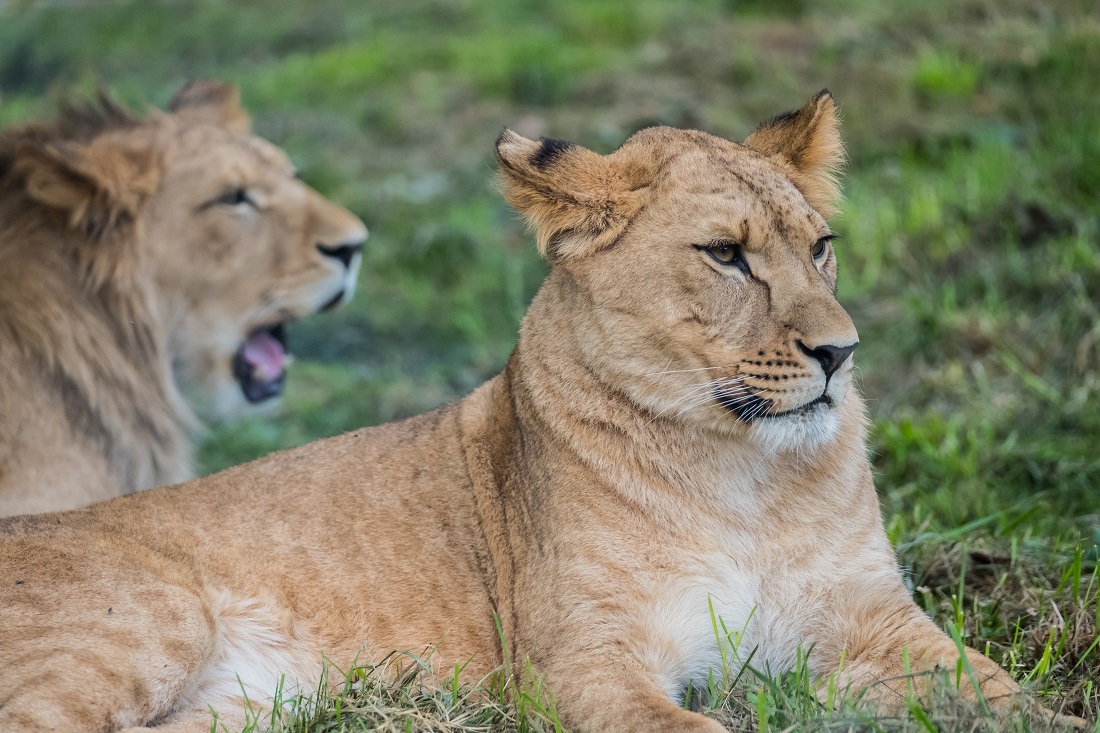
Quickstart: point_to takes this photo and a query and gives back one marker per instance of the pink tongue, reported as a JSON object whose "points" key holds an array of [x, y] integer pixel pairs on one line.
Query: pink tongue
{"points": [[264, 352]]}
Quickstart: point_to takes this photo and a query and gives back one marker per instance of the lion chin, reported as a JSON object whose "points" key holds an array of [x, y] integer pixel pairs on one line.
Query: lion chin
{"points": [[806, 430], [145, 259], [653, 464]]}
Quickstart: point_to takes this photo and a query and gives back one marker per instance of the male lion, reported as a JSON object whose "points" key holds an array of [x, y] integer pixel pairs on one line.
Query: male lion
{"points": [[676, 431], [139, 257]]}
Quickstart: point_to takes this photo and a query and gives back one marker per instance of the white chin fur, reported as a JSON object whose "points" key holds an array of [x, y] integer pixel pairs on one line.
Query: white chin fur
{"points": [[351, 278], [806, 432]]}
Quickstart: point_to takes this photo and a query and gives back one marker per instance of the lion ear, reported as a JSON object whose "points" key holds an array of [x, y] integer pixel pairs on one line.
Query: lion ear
{"points": [[99, 186], [809, 140], [213, 103], [575, 200]]}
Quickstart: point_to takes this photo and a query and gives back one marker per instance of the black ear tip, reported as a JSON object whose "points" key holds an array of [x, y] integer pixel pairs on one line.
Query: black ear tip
{"points": [[549, 150], [823, 95]]}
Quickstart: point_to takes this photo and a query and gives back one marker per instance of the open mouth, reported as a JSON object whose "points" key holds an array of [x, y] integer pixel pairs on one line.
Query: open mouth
{"points": [[751, 407], [260, 364]]}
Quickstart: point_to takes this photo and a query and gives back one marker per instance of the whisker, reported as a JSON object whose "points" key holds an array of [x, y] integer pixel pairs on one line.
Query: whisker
{"points": [[737, 399], [691, 396], [694, 400], [696, 405], [718, 391], [733, 390], [714, 384], [683, 371], [762, 409]]}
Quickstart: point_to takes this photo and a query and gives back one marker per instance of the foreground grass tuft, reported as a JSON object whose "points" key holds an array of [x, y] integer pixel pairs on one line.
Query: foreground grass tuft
{"points": [[403, 693]]}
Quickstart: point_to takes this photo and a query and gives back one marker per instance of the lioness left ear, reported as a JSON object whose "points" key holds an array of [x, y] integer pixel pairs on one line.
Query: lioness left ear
{"points": [[575, 200], [211, 102], [809, 141]]}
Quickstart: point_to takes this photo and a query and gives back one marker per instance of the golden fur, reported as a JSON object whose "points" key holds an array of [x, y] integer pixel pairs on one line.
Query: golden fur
{"points": [[664, 440], [130, 271]]}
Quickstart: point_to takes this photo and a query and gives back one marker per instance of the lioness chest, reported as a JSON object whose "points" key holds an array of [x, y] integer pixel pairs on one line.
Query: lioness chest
{"points": [[740, 600]]}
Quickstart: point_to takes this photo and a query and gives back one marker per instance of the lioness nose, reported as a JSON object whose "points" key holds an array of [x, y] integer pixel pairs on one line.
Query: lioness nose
{"points": [[830, 357], [342, 252]]}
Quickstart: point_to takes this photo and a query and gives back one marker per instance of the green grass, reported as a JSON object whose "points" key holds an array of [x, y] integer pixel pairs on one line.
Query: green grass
{"points": [[402, 693], [969, 252]]}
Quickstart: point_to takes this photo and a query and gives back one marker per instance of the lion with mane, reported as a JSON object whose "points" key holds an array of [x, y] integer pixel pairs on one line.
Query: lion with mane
{"points": [[675, 443], [145, 259]]}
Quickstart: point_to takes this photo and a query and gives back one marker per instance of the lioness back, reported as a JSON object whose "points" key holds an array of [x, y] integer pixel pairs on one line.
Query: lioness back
{"points": [[147, 261]]}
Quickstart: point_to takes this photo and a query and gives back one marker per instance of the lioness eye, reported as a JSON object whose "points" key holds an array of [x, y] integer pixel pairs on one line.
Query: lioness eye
{"points": [[728, 254], [724, 254], [235, 197], [820, 247]]}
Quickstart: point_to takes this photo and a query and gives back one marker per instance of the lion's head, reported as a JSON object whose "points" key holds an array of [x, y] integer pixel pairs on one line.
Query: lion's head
{"points": [[208, 222], [705, 265], [144, 259]]}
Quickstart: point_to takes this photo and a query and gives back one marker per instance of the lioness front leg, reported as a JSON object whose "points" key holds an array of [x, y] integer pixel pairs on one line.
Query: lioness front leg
{"points": [[607, 689], [894, 654], [201, 720]]}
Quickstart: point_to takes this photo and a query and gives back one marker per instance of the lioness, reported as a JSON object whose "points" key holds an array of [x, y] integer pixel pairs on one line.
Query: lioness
{"points": [[676, 431], [139, 257]]}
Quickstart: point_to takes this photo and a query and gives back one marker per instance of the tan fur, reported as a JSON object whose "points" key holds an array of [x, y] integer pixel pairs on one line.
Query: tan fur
{"points": [[122, 283], [597, 496]]}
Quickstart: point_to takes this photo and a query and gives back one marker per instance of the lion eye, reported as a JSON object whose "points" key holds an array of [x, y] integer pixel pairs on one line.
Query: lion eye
{"points": [[728, 254], [821, 247], [235, 197], [725, 253]]}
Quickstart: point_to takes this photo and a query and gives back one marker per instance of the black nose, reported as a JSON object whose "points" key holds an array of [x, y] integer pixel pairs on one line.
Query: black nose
{"points": [[342, 252], [831, 357]]}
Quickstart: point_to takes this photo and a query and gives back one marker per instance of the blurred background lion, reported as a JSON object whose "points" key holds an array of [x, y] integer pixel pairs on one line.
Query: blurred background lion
{"points": [[144, 258], [968, 250]]}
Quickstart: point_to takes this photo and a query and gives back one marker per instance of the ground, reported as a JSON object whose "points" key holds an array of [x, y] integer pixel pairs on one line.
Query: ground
{"points": [[969, 251]]}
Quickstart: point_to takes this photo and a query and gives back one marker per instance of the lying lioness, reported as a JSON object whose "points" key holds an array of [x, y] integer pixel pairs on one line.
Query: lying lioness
{"points": [[675, 432]]}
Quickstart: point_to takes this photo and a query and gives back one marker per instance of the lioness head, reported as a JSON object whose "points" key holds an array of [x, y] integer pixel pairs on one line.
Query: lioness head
{"points": [[210, 222], [703, 270]]}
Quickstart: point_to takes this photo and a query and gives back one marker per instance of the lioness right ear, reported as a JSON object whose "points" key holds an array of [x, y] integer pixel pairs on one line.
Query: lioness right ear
{"points": [[211, 102], [575, 200], [809, 141]]}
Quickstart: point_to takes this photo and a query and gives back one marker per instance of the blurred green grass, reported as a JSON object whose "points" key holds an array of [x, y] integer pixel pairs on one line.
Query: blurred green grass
{"points": [[970, 250]]}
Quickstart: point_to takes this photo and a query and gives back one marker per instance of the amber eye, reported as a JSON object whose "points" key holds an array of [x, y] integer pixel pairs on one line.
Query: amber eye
{"points": [[821, 247], [726, 253]]}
